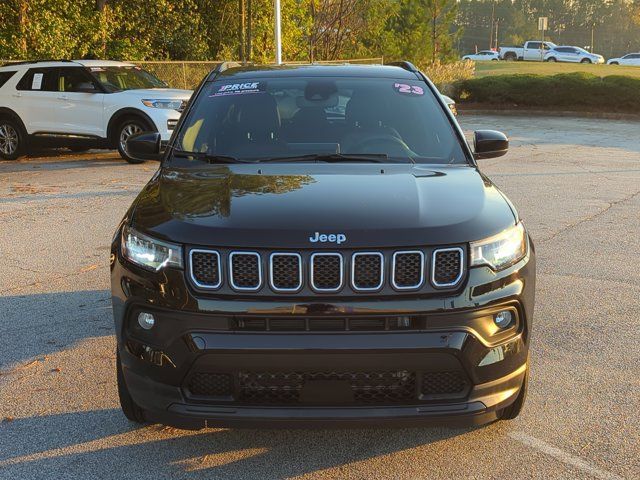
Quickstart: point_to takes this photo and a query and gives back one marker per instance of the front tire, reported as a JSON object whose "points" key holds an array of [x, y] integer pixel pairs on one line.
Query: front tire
{"points": [[552, 60], [614, 63], [130, 409], [585, 60], [126, 128], [12, 139]]}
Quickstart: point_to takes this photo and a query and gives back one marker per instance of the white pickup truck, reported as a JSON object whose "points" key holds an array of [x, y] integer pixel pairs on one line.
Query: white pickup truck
{"points": [[533, 51]]}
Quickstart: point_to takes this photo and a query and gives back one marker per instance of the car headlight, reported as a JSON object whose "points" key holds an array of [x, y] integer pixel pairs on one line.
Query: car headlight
{"points": [[159, 103], [148, 252], [502, 250]]}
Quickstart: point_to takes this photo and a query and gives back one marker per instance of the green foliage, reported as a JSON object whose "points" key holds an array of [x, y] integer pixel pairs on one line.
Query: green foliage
{"points": [[209, 29], [445, 75], [570, 90]]}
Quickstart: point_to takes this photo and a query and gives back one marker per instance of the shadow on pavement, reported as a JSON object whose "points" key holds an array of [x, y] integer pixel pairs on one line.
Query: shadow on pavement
{"points": [[33, 326], [75, 444]]}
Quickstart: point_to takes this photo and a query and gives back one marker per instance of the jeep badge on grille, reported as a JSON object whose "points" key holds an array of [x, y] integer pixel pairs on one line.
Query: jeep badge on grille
{"points": [[330, 238]]}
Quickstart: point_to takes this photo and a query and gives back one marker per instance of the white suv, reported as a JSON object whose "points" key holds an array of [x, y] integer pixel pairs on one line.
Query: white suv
{"points": [[82, 104]]}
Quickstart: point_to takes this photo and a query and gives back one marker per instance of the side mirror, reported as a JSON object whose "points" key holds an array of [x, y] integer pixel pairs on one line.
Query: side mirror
{"points": [[490, 144], [144, 146]]}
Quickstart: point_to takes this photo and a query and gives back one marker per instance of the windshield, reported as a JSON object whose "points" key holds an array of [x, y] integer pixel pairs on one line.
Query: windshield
{"points": [[279, 118], [115, 79]]}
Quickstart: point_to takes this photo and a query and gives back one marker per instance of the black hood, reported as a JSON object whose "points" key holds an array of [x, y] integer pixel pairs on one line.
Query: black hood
{"points": [[281, 206]]}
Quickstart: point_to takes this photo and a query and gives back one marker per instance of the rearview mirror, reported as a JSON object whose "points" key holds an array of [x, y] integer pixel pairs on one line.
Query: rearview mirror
{"points": [[144, 146], [490, 144]]}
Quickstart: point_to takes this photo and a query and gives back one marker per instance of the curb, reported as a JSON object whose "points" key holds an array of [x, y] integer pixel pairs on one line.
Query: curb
{"points": [[524, 112]]}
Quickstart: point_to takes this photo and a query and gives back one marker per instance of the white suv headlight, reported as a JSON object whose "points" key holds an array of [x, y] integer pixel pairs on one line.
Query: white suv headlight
{"points": [[502, 250], [162, 103], [148, 252]]}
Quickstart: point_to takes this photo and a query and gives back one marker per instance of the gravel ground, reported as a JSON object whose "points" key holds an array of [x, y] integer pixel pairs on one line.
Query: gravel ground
{"points": [[576, 183]]}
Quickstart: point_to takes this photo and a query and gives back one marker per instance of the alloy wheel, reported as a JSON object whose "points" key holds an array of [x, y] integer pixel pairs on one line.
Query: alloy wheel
{"points": [[8, 139], [127, 131]]}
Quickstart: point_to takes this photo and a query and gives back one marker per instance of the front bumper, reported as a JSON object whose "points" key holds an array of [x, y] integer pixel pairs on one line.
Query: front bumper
{"points": [[192, 336], [165, 121]]}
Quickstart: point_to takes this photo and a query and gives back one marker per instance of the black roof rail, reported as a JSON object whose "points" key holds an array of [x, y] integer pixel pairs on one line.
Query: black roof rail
{"points": [[224, 66], [404, 64], [29, 62]]}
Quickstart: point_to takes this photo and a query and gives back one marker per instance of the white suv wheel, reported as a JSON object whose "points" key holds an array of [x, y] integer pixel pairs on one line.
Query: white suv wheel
{"points": [[127, 131], [8, 139]]}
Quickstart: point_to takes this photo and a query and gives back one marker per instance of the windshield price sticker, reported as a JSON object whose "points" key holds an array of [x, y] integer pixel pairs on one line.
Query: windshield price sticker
{"points": [[239, 89], [405, 89]]}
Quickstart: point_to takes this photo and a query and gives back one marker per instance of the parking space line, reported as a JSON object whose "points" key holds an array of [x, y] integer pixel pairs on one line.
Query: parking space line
{"points": [[65, 196], [561, 455]]}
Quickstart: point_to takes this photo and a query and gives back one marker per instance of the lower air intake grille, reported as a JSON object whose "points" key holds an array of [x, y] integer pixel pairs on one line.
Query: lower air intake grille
{"points": [[332, 324], [205, 268], [447, 267], [326, 272], [246, 273], [443, 383], [211, 384], [365, 387], [286, 272], [408, 270], [327, 387]]}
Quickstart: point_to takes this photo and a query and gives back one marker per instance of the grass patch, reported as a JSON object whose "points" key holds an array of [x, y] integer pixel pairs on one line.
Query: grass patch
{"points": [[583, 91], [487, 69]]}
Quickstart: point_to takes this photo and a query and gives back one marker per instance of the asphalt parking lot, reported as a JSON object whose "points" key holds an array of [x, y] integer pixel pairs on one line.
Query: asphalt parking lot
{"points": [[576, 183]]}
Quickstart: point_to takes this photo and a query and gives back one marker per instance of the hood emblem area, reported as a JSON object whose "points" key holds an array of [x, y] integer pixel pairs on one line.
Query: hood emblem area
{"points": [[337, 238]]}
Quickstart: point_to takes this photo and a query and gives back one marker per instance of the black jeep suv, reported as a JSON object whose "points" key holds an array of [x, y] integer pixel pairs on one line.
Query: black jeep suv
{"points": [[319, 245]]}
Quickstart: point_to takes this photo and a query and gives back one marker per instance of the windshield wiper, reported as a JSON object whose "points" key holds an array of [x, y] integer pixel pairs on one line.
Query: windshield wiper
{"points": [[330, 157], [208, 157]]}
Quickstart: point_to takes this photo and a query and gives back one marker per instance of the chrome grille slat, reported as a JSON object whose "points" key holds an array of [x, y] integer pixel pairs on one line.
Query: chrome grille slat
{"points": [[326, 275], [285, 272], [447, 267], [245, 271], [407, 272], [205, 268], [367, 271]]}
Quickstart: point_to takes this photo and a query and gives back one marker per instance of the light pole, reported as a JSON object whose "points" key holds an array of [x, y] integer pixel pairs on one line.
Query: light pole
{"points": [[276, 8]]}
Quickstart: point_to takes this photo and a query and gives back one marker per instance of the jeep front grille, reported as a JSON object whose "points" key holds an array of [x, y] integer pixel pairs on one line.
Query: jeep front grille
{"points": [[285, 272], [327, 272], [367, 271], [347, 272], [205, 268], [245, 271], [408, 270], [447, 267]]}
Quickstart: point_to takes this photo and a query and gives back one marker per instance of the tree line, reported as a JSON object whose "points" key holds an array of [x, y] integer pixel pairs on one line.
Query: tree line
{"points": [[610, 27], [423, 31], [227, 29]]}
